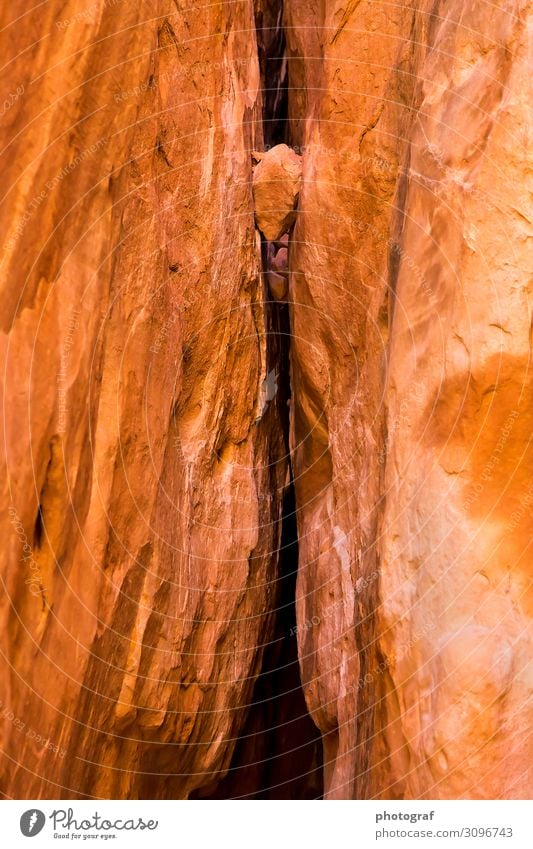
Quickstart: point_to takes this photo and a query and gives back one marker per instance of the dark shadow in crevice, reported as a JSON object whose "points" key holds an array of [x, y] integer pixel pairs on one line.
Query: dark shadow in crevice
{"points": [[279, 752], [274, 71]]}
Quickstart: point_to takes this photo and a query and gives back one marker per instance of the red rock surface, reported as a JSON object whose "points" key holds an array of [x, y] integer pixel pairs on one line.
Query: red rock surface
{"points": [[141, 460], [412, 416], [145, 606]]}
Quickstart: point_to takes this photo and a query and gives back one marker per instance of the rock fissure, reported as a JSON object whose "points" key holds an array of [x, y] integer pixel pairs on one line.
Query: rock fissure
{"points": [[239, 384], [279, 751]]}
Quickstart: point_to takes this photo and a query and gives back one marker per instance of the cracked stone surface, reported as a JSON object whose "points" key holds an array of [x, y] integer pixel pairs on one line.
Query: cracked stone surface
{"points": [[146, 397]]}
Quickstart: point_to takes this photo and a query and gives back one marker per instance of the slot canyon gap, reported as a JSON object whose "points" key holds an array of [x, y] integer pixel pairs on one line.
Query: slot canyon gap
{"points": [[267, 476]]}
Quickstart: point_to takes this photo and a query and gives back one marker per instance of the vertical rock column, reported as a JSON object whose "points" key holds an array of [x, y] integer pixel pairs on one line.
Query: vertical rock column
{"points": [[355, 63]]}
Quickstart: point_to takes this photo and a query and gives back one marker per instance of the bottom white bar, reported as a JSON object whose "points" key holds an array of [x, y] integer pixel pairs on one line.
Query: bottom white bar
{"points": [[267, 825]]}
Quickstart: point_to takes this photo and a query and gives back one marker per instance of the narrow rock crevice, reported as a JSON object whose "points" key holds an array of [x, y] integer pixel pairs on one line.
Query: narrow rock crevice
{"points": [[271, 48], [279, 752]]}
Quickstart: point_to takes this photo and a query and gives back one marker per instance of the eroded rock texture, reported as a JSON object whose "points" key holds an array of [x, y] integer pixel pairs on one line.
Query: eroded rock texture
{"points": [[143, 465], [148, 640], [412, 414], [455, 539]]}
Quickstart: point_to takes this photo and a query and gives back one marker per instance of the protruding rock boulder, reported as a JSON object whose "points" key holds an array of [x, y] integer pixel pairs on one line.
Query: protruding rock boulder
{"points": [[277, 268], [276, 185], [280, 262], [278, 285]]}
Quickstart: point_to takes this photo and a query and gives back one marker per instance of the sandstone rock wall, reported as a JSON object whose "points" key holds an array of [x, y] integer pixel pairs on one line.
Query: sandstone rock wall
{"points": [[411, 324], [141, 463], [145, 383], [455, 539]]}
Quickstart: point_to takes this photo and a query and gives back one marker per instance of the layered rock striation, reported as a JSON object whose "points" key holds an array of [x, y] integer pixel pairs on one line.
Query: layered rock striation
{"points": [[143, 462], [266, 253], [411, 374]]}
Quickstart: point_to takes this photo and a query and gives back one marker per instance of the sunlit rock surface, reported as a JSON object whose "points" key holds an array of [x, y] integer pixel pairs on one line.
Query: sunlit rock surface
{"points": [[148, 639], [141, 462], [412, 420]]}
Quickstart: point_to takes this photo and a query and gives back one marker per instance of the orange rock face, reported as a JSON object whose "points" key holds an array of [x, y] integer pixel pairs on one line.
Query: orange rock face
{"points": [[148, 646], [412, 396], [143, 465]]}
